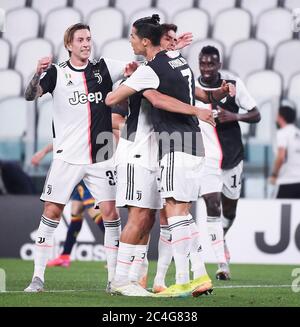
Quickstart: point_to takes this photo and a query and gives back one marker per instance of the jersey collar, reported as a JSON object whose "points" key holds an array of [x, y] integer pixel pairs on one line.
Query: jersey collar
{"points": [[76, 69]]}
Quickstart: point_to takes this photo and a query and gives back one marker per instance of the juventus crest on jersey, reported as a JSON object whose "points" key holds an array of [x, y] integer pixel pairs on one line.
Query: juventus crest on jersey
{"points": [[81, 120]]}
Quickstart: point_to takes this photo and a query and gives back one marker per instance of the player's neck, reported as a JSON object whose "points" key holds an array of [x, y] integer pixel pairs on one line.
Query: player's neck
{"points": [[152, 52], [76, 62]]}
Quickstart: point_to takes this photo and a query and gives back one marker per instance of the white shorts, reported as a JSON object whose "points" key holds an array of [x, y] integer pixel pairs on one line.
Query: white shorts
{"points": [[227, 182], [232, 182], [180, 176], [138, 186], [63, 177]]}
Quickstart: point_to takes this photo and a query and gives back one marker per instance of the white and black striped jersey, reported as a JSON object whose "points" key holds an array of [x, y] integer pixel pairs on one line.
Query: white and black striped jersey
{"points": [[81, 121], [137, 144], [223, 144], [170, 74]]}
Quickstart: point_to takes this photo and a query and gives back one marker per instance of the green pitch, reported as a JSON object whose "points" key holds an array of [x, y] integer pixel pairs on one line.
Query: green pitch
{"points": [[83, 284]]}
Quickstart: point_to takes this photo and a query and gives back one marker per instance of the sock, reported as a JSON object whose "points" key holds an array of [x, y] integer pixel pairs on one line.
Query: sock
{"points": [[126, 255], [43, 245], [111, 244], [181, 243], [73, 231], [215, 231], [165, 255], [196, 258], [226, 223], [136, 269], [99, 221]]}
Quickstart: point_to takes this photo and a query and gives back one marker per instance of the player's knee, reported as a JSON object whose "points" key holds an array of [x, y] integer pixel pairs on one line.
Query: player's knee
{"points": [[213, 208], [53, 210], [109, 211]]}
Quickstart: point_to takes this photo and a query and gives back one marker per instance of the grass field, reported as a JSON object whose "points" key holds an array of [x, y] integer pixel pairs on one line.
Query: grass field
{"points": [[83, 284]]}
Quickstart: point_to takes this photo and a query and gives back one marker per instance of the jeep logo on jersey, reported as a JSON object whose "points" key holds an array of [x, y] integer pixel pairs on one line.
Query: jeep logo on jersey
{"points": [[83, 98]]}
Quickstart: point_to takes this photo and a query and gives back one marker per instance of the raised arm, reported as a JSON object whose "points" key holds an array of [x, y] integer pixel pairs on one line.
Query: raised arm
{"points": [[34, 90], [165, 102]]}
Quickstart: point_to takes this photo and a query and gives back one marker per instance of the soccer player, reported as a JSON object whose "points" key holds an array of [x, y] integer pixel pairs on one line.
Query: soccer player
{"points": [[169, 74], [221, 184], [286, 172], [81, 200], [83, 147]]}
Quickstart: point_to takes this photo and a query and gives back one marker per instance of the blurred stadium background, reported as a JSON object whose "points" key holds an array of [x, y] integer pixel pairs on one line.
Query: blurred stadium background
{"points": [[258, 40]]}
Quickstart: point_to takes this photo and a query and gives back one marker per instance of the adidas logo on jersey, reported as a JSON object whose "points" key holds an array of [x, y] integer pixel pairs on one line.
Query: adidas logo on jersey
{"points": [[84, 98], [70, 83]]}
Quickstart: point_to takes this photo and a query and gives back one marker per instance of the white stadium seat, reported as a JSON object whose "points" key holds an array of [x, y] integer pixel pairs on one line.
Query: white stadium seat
{"points": [[265, 129], [173, 7], [215, 7], [231, 26], [13, 125], [21, 24], [5, 53], [273, 27], [248, 56], [291, 4], [118, 49], [286, 60], [265, 86], [57, 21], [44, 7], [134, 6], [12, 4], [145, 13], [194, 49], [293, 93], [87, 7], [106, 24], [11, 82], [28, 54], [257, 7], [44, 125], [192, 20]]}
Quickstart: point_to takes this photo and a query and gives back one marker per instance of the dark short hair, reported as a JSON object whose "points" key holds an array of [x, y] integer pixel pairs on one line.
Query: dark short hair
{"points": [[288, 114], [168, 27], [149, 28], [69, 33], [209, 50]]}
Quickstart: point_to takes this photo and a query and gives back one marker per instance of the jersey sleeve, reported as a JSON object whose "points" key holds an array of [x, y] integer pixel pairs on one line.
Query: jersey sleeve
{"points": [[116, 68], [143, 78], [48, 80], [243, 98]]}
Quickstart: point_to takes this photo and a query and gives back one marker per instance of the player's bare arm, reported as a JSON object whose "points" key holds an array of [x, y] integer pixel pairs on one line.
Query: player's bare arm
{"points": [[279, 161], [165, 102], [118, 95], [217, 94], [38, 156], [225, 116], [34, 90]]}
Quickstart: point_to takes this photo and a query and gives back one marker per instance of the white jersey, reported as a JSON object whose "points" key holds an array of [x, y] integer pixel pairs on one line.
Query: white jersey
{"points": [[223, 143], [82, 128], [289, 139], [137, 144]]}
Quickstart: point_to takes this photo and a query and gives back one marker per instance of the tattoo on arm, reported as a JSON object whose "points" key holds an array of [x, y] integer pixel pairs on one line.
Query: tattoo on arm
{"points": [[33, 89]]}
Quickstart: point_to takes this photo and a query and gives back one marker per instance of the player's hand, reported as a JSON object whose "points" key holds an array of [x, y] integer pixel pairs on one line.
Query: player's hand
{"points": [[225, 116], [206, 115], [43, 65], [37, 157], [130, 68], [184, 40]]}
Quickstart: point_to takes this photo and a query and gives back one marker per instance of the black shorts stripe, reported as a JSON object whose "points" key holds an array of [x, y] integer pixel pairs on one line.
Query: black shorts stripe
{"points": [[130, 182]]}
